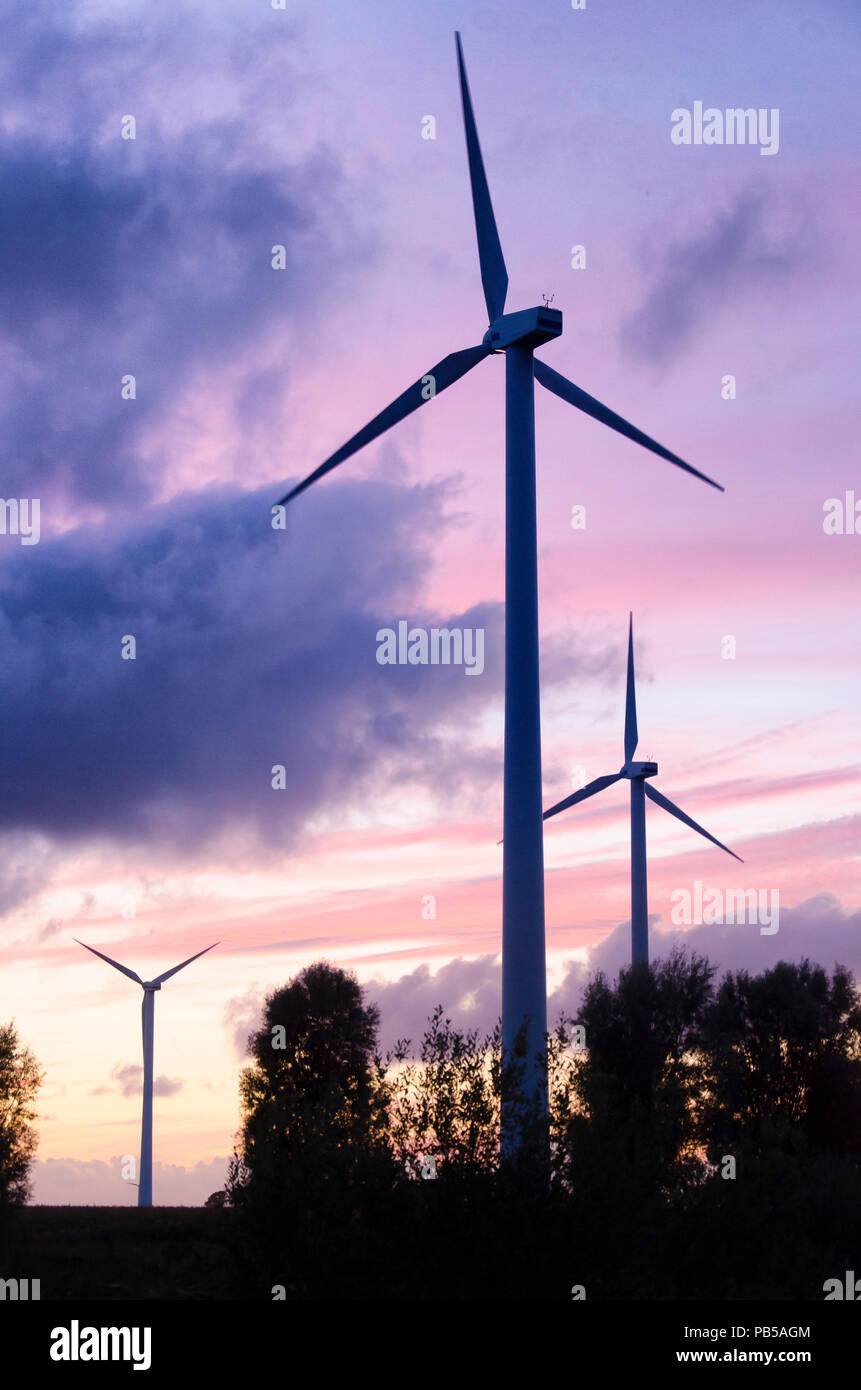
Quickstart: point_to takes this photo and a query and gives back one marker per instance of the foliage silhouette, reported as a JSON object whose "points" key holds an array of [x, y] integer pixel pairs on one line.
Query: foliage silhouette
{"points": [[783, 1060], [312, 1149], [20, 1079], [336, 1195]]}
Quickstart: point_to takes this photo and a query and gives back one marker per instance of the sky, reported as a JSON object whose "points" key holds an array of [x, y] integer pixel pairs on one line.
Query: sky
{"points": [[139, 813]]}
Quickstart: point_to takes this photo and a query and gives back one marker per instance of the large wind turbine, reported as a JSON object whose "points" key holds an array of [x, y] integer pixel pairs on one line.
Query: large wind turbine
{"points": [[149, 988], [524, 981], [636, 774]]}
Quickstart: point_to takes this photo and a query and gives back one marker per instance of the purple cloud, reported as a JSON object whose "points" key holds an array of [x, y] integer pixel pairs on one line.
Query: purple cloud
{"points": [[756, 243], [469, 990], [130, 1080]]}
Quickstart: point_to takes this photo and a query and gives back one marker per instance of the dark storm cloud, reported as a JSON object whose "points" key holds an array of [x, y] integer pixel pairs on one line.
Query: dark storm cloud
{"points": [[755, 243], [152, 256], [254, 648], [165, 275]]}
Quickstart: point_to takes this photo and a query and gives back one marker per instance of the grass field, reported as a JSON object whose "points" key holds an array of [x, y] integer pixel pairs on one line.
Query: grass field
{"points": [[117, 1253]]}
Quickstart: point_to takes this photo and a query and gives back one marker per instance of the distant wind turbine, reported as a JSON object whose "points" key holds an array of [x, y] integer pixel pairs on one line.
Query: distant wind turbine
{"points": [[149, 988], [524, 976], [636, 774]]}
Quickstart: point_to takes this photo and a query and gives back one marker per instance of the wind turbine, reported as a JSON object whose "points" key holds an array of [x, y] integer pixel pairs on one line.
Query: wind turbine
{"points": [[524, 979], [636, 774], [149, 988]]}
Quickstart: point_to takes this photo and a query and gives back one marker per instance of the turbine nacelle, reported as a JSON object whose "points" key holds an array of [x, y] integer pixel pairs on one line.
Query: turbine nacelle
{"points": [[531, 327], [634, 770]]}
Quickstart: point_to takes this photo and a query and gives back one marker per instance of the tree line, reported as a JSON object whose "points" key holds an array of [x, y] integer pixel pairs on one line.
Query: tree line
{"points": [[705, 1142]]}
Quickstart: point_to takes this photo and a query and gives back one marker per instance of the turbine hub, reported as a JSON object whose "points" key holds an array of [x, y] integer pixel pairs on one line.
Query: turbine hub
{"points": [[634, 770], [148, 984], [531, 327]]}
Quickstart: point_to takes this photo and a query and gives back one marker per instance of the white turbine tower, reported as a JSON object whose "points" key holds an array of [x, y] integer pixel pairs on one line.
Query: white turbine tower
{"points": [[515, 335], [149, 988], [636, 773]]}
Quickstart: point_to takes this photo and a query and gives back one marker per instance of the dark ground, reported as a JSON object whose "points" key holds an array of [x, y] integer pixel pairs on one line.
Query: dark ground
{"points": [[121, 1252]]}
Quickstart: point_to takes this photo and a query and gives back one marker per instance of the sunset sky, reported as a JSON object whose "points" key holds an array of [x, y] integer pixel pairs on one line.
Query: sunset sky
{"points": [[137, 811]]}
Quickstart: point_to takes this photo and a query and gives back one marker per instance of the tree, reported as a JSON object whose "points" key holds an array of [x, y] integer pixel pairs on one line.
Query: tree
{"points": [[313, 1100], [640, 1078], [782, 1100], [784, 1059], [312, 1172], [627, 1146], [20, 1079], [445, 1105], [336, 1196]]}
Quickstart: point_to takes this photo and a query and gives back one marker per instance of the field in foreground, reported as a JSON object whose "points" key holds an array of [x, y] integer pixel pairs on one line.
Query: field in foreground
{"points": [[121, 1252]]}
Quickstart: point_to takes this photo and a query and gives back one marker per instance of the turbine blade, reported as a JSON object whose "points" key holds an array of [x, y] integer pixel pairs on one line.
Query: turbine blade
{"points": [[160, 979], [567, 391], [674, 810], [632, 738], [494, 276], [444, 374], [589, 790], [115, 963]]}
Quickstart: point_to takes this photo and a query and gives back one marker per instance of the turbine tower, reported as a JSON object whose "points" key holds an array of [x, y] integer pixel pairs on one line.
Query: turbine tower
{"points": [[149, 988], [636, 774], [517, 335]]}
